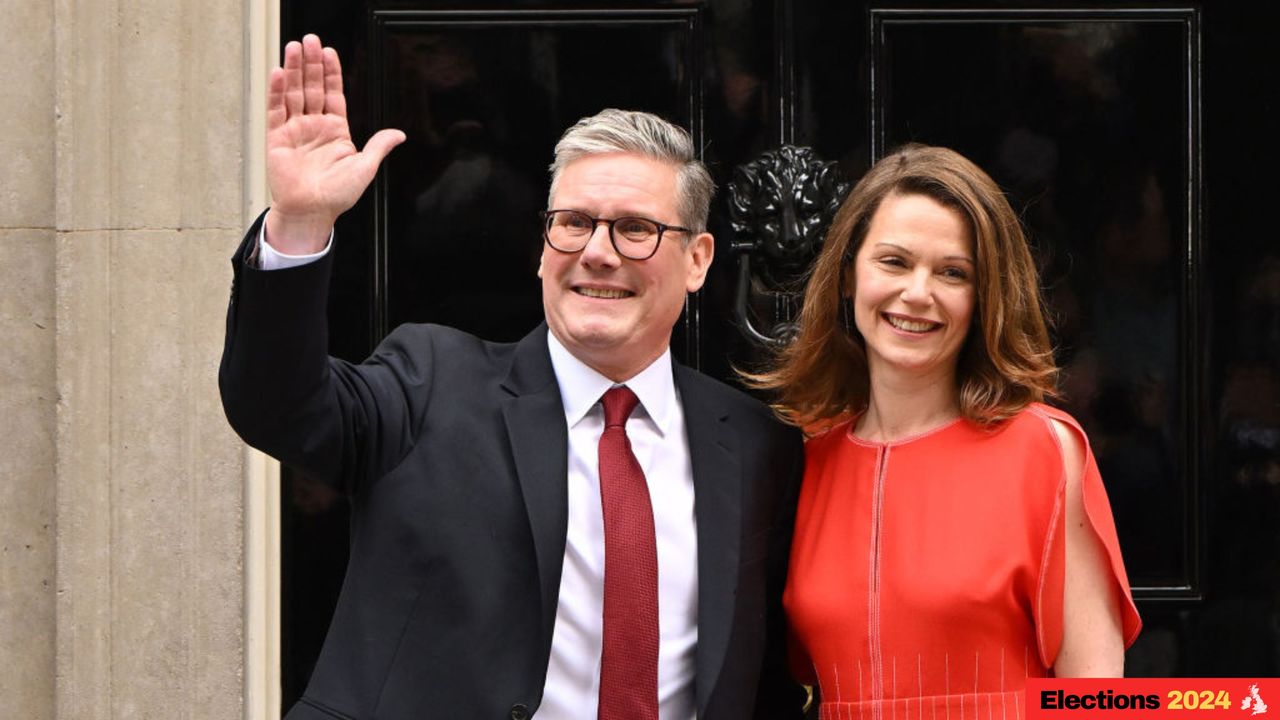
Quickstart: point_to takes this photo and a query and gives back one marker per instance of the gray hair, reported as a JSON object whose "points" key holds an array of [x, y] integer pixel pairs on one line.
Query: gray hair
{"points": [[641, 133]]}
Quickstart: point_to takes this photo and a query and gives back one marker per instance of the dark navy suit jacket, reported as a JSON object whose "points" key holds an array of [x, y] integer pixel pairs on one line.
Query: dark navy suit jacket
{"points": [[453, 452]]}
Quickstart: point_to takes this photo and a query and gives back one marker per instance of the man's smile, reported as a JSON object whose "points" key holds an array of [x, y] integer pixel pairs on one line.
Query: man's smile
{"points": [[602, 293]]}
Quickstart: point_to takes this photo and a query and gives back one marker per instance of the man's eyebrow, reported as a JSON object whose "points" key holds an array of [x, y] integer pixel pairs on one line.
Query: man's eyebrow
{"points": [[620, 214]]}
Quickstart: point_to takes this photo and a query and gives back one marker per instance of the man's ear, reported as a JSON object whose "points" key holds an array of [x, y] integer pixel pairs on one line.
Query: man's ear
{"points": [[701, 250], [542, 256]]}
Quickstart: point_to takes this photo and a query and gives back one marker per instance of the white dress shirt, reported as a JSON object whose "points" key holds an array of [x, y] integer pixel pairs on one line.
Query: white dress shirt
{"points": [[656, 430], [271, 259]]}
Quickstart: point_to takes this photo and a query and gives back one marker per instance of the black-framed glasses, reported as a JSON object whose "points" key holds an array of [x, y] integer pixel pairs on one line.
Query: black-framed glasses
{"points": [[636, 238]]}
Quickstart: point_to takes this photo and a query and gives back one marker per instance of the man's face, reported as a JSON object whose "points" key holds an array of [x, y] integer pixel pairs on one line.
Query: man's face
{"points": [[613, 313]]}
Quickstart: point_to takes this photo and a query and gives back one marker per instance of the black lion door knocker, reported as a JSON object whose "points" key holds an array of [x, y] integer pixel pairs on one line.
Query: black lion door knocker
{"points": [[780, 206]]}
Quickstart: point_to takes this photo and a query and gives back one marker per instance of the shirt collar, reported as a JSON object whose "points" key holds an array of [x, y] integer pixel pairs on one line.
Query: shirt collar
{"points": [[581, 386]]}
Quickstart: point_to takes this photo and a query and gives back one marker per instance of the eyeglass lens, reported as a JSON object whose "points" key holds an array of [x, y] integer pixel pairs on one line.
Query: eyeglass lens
{"points": [[633, 237]]}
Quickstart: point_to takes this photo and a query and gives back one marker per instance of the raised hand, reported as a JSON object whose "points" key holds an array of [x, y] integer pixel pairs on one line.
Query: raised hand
{"points": [[313, 169]]}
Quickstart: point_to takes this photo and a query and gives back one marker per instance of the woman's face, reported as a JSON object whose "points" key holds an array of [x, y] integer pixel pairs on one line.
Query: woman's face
{"points": [[914, 286]]}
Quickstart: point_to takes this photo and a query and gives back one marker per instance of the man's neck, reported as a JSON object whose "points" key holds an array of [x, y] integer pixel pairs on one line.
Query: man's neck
{"points": [[618, 366]]}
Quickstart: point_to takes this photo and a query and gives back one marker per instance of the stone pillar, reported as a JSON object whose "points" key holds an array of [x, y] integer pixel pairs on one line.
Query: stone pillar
{"points": [[27, 383], [148, 184]]}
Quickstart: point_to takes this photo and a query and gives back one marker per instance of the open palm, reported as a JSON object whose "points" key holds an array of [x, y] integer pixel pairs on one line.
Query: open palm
{"points": [[314, 170]]}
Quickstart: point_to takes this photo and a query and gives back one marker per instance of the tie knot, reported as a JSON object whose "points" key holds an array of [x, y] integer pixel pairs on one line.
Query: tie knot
{"points": [[619, 402]]}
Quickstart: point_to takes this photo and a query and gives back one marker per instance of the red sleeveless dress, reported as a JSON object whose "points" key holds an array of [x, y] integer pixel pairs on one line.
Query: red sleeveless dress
{"points": [[927, 573]]}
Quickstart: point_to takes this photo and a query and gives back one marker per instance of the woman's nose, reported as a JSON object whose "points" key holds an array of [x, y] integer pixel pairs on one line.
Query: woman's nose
{"points": [[919, 287]]}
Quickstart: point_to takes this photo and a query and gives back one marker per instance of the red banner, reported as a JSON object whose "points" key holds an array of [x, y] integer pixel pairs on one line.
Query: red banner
{"points": [[1150, 698]]}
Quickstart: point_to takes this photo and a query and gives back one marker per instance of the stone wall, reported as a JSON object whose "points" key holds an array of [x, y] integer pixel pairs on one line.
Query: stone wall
{"points": [[122, 491]]}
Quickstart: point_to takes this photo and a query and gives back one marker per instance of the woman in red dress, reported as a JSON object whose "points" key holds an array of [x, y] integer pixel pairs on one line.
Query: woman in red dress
{"points": [[953, 536]]}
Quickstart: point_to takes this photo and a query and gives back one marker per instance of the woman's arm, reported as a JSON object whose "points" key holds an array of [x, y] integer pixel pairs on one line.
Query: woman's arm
{"points": [[1092, 641]]}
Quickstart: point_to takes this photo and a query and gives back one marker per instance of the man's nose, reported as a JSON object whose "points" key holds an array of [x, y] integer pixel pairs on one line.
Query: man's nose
{"points": [[599, 250]]}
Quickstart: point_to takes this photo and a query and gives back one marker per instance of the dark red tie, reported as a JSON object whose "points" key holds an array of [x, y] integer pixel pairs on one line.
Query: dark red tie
{"points": [[629, 662]]}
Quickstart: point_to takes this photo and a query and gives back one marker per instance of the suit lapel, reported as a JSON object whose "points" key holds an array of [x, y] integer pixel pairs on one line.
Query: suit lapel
{"points": [[713, 449], [534, 416]]}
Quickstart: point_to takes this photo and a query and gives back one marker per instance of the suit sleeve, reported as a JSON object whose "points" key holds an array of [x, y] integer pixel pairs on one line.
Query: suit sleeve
{"points": [[779, 696], [284, 395]]}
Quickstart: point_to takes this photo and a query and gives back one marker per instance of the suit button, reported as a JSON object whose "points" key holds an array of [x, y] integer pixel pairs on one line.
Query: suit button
{"points": [[519, 711]]}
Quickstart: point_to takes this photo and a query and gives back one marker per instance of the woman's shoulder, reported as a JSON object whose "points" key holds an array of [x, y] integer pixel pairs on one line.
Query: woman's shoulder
{"points": [[1040, 420], [823, 427], [828, 435], [1039, 431], [1041, 410], [1042, 431]]}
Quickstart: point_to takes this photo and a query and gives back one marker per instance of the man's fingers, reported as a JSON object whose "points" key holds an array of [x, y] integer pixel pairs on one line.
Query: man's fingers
{"points": [[293, 101], [375, 151], [382, 143], [276, 113], [334, 101], [312, 74]]}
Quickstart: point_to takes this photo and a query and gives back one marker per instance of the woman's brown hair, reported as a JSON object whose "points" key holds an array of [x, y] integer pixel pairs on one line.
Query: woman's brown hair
{"points": [[1006, 362]]}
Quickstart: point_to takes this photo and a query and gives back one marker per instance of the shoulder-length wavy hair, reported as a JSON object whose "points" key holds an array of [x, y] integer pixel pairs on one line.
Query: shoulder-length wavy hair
{"points": [[1006, 362]]}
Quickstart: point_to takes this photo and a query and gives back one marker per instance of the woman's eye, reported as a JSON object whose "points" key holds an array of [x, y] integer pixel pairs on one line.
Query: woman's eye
{"points": [[893, 260], [955, 274]]}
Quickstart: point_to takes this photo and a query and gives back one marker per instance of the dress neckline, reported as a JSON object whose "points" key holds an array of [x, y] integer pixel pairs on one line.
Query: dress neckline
{"points": [[848, 433]]}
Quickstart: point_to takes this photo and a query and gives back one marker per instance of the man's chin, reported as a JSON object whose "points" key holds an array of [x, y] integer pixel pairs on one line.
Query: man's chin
{"points": [[599, 340]]}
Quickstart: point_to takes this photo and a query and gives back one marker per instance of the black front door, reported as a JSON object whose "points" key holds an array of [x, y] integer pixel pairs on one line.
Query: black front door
{"points": [[1134, 140]]}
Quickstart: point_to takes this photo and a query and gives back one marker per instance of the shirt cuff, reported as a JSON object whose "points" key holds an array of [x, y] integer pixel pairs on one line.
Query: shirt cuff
{"points": [[271, 259]]}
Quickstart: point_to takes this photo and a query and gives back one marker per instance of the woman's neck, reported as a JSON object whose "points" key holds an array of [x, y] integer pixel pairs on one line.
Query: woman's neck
{"points": [[903, 404]]}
